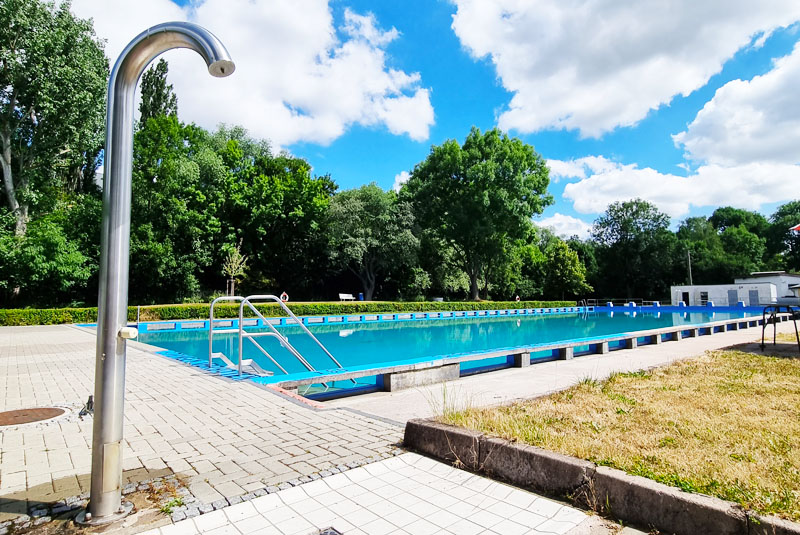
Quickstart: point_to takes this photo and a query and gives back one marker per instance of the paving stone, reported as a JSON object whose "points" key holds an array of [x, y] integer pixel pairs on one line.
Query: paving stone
{"points": [[178, 516]]}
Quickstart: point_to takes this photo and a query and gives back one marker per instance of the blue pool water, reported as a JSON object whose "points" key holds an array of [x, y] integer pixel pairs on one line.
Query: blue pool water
{"points": [[386, 343]]}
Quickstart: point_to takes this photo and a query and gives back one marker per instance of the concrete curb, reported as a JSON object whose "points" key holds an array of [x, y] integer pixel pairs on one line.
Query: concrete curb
{"points": [[624, 497], [446, 442]]}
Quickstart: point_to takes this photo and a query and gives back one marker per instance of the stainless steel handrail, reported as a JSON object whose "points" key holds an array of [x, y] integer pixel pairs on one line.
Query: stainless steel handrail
{"points": [[283, 340], [211, 335], [211, 322], [250, 337], [277, 299], [267, 297]]}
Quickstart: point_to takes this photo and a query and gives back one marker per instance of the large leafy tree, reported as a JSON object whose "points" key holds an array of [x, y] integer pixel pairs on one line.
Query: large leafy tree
{"points": [[635, 249], [729, 244], [782, 241], [158, 98], [585, 249], [279, 208], [728, 216], [565, 274], [479, 196], [178, 191], [370, 234], [52, 85]]}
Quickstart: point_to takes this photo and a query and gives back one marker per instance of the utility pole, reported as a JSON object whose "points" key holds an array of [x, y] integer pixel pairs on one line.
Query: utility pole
{"points": [[689, 253]]}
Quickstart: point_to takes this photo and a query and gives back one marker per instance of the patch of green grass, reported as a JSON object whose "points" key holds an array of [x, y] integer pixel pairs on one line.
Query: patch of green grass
{"points": [[726, 424], [170, 505]]}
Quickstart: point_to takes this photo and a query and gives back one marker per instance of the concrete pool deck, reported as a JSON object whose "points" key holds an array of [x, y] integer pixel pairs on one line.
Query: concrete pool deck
{"points": [[228, 439]]}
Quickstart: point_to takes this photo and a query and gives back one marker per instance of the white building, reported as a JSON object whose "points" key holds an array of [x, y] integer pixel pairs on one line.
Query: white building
{"points": [[786, 283], [752, 294]]}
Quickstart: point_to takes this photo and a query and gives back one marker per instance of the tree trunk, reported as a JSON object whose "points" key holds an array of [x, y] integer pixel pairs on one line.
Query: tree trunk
{"points": [[473, 286], [368, 279], [369, 290], [368, 283], [486, 274], [20, 212]]}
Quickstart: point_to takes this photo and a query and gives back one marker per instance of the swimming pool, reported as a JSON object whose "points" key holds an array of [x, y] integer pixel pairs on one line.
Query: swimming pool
{"points": [[382, 344]]}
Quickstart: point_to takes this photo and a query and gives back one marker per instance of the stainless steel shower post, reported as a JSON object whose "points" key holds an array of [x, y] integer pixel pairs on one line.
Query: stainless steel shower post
{"points": [[105, 500]]}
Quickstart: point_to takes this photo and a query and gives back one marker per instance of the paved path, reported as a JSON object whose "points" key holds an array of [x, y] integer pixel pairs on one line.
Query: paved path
{"points": [[226, 438], [409, 494], [505, 386]]}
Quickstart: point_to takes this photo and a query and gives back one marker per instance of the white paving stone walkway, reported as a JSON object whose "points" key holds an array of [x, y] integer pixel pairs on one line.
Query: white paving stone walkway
{"points": [[224, 438], [408, 494]]}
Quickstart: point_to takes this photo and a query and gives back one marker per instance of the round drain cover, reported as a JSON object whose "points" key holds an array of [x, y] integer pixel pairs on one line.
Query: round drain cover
{"points": [[26, 416]]}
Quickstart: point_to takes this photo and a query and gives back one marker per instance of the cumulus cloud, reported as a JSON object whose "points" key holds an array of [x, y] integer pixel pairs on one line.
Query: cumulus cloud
{"points": [[750, 120], [595, 66], [400, 179], [579, 167], [744, 186], [566, 226], [295, 79], [743, 144]]}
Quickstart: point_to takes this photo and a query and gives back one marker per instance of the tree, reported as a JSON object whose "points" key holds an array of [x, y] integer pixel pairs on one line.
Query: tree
{"points": [[158, 98], [782, 242], [53, 78], [564, 272], [527, 271], [42, 265], [370, 234], [178, 193], [585, 249], [281, 211], [234, 267], [635, 249], [727, 216], [744, 250], [479, 196]]}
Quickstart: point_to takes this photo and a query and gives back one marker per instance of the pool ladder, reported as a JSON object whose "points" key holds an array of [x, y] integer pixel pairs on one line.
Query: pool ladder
{"points": [[249, 364]]}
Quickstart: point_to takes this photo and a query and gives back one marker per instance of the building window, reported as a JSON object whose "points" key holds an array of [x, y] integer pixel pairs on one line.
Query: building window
{"points": [[703, 298]]}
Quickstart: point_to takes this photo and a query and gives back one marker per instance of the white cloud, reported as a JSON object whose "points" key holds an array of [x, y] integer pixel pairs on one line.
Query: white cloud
{"points": [[400, 179], [578, 168], [295, 80], [749, 121], [744, 186], [566, 226], [743, 142], [595, 66]]}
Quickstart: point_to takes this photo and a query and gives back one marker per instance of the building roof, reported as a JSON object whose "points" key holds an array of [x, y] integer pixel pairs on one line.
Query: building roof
{"points": [[756, 274]]}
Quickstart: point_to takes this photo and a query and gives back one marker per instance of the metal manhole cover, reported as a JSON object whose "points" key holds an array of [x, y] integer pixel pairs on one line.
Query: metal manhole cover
{"points": [[26, 416], [329, 531]]}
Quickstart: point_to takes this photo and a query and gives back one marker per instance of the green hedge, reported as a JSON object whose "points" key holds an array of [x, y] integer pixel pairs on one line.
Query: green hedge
{"points": [[51, 316]]}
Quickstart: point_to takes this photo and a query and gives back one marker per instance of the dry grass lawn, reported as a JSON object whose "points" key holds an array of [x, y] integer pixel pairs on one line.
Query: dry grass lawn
{"points": [[726, 424]]}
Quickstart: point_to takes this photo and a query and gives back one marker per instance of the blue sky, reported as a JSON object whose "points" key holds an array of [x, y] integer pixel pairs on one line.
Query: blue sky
{"points": [[682, 103]]}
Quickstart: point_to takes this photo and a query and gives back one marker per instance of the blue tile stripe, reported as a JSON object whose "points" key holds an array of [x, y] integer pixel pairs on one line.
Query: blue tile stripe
{"points": [[203, 365]]}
